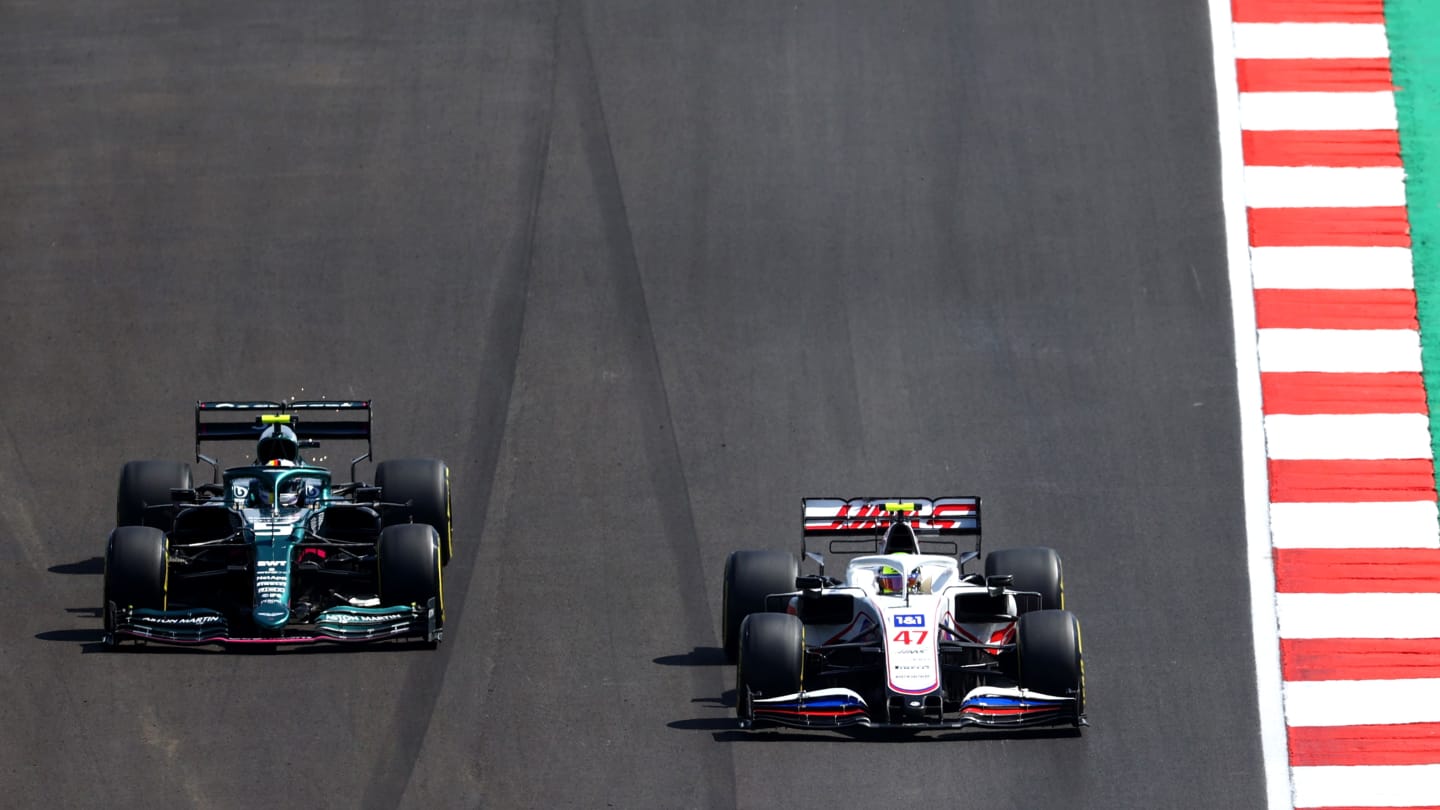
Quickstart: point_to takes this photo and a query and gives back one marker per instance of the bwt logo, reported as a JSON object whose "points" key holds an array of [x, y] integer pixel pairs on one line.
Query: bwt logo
{"points": [[909, 620]]}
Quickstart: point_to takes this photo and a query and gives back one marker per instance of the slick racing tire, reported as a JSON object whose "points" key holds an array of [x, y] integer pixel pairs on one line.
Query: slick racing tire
{"points": [[1050, 656], [135, 569], [772, 658], [147, 483], [425, 484], [1035, 569], [750, 576], [408, 557]]}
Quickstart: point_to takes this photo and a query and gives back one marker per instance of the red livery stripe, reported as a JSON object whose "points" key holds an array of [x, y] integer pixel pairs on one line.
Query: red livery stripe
{"points": [[1357, 570], [1351, 481], [1313, 11], [1359, 659], [1335, 309], [1409, 744], [1380, 226], [1345, 149], [1314, 75], [1313, 392]]}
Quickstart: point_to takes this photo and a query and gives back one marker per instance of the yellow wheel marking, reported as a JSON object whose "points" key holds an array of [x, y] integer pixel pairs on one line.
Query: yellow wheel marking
{"points": [[440, 586], [449, 523], [802, 658]]}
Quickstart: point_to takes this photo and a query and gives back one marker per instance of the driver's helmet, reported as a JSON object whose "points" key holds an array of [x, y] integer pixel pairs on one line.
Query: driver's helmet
{"points": [[889, 581], [278, 443]]}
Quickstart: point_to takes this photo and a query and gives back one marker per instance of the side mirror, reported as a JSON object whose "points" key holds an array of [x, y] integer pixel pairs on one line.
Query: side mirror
{"points": [[180, 495], [367, 494], [997, 584], [809, 583]]}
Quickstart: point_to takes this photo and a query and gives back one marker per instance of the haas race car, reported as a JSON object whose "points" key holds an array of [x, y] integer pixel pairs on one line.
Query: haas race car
{"points": [[276, 551], [905, 637]]}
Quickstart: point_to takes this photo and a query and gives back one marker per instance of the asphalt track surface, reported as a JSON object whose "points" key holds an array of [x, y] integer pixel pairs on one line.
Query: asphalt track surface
{"points": [[644, 274]]}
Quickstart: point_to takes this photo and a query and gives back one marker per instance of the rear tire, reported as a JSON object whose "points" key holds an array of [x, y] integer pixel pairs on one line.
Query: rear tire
{"points": [[1035, 569], [750, 576], [135, 570], [409, 564], [1050, 655], [425, 483], [772, 658], [148, 483]]}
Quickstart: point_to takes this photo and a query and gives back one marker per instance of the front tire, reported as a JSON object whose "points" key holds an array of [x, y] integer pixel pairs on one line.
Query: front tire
{"points": [[148, 483], [772, 659], [135, 570], [425, 484], [750, 576], [1050, 656], [408, 557]]}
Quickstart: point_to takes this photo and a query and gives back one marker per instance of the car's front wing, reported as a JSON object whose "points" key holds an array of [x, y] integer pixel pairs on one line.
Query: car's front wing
{"points": [[339, 624], [990, 707]]}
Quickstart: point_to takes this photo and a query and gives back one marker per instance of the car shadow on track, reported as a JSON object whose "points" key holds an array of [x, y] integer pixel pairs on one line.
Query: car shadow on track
{"points": [[93, 565], [698, 657], [87, 637]]}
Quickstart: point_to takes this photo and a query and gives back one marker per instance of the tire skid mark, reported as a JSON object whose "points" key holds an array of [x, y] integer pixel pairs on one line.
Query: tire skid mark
{"points": [[655, 422], [501, 352], [16, 495], [154, 734]]}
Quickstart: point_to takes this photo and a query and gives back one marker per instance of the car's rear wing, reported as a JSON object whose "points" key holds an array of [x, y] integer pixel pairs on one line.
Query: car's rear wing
{"points": [[216, 421], [858, 525]]}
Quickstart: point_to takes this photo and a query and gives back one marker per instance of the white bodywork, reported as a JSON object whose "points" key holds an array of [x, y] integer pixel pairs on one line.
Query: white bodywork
{"points": [[913, 623]]}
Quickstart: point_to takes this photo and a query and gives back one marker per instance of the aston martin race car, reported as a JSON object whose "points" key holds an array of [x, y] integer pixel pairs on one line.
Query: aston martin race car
{"points": [[905, 637], [276, 551]]}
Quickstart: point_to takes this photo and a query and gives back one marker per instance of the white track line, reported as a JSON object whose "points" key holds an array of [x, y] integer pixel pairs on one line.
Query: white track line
{"points": [[1324, 186], [1310, 111], [1274, 748], [1355, 525], [1362, 703], [1311, 41], [1332, 268], [1361, 435], [1368, 786], [1353, 350], [1359, 615]]}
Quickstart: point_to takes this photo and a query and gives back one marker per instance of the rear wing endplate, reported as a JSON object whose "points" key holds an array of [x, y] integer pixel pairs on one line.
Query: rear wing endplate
{"points": [[857, 525], [216, 421]]}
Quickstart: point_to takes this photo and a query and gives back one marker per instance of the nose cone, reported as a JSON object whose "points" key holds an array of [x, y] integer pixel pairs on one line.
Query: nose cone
{"points": [[271, 617]]}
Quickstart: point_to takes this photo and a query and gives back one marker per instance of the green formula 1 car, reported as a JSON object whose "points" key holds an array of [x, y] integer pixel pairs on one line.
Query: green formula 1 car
{"points": [[276, 551]]}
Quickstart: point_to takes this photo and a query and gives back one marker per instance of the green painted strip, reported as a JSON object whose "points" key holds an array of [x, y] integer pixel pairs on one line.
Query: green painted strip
{"points": [[1413, 27]]}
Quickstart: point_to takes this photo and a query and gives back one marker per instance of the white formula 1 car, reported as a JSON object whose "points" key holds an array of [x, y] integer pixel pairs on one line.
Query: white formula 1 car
{"points": [[906, 638]]}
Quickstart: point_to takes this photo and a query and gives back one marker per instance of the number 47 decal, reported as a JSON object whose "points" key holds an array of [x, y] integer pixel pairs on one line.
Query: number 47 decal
{"points": [[910, 636]]}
